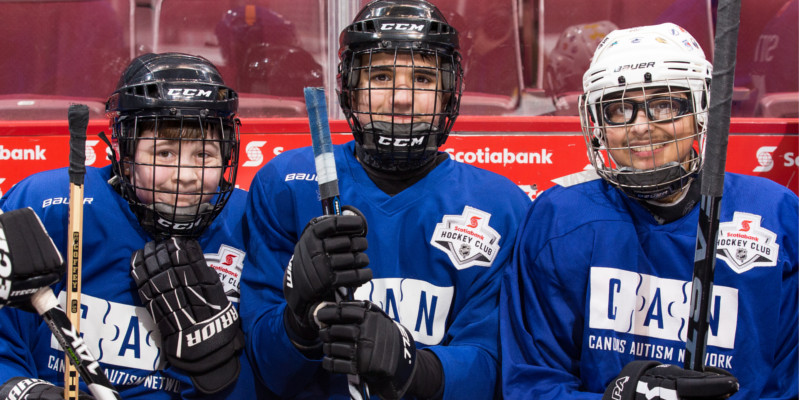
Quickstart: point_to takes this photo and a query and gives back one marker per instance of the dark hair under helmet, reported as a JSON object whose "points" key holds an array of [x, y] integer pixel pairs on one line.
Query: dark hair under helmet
{"points": [[171, 102], [400, 28]]}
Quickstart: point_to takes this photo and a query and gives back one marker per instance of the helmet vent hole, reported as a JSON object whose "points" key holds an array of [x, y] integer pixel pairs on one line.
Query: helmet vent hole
{"points": [[152, 91]]}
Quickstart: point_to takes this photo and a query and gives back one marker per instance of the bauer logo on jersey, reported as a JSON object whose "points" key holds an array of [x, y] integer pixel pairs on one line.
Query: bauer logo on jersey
{"points": [[467, 239], [228, 264], [743, 244]]}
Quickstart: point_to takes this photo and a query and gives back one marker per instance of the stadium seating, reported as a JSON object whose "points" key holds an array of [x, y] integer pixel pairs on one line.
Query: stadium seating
{"points": [[58, 52], [260, 51], [578, 25]]}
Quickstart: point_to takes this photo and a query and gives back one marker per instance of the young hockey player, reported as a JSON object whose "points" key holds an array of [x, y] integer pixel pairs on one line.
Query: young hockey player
{"points": [[162, 243], [600, 284], [439, 233]]}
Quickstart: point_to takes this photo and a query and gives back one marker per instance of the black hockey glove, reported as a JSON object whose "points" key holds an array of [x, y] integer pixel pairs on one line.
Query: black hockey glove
{"points": [[359, 338], [330, 254], [200, 328], [651, 380], [19, 388], [28, 258]]}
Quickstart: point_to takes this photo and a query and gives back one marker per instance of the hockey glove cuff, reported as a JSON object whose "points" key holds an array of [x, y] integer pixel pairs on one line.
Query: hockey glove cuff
{"points": [[34, 389], [359, 338], [651, 380], [28, 258], [200, 327]]}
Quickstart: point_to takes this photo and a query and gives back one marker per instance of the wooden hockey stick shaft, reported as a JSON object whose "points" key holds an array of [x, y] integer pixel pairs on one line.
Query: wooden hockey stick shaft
{"points": [[712, 182], [329, 192], [78, 117]]}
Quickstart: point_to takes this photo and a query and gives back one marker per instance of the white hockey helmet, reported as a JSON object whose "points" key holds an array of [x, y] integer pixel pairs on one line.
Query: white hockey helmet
{"points": [[629, 61]]}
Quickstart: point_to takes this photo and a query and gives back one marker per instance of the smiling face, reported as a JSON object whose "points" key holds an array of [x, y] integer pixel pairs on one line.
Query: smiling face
{"points": [[401, 90], [174, 170], [645, 144]]}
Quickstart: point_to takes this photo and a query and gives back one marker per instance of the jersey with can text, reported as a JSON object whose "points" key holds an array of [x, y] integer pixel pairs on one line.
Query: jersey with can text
{"points": [[596, 283], [436, 250], [116, 327]]}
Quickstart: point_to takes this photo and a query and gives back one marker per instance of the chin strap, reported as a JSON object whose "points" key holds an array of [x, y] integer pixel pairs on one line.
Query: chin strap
{"points": [[667, 212]]}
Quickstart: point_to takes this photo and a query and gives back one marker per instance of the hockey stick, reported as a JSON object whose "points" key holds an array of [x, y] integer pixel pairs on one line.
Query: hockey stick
{"points": [[328, 191], [78, 117], [78, 354], [713, 176]]}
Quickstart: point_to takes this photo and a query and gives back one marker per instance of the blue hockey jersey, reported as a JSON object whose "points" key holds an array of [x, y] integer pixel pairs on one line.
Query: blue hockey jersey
{"points": [[436, 250], [596, 283], [116, 327]]}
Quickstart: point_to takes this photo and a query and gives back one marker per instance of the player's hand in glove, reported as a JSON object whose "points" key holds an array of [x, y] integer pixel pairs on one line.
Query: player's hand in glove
{"points": [[651, 380], [199, 326], [330, 254], [28, 258], [359, 338], [34, 389]]}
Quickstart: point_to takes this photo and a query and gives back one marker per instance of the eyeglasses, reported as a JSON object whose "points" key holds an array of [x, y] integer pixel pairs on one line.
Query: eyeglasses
{"points": [[624, 111]]}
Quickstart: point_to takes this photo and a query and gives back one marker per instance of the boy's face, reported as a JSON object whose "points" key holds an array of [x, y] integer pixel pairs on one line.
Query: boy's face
{"points": [[645, 144], [179, 172], [390, 83]]}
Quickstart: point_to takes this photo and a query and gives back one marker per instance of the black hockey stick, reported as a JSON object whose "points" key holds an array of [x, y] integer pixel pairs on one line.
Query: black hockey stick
{"points": [[78, 118], [713, 176], [78, 354], [329, 191]]}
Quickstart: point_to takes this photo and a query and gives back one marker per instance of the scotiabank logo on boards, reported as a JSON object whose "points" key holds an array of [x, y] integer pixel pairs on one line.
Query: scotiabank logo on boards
{"points": [[504, 156], [30, 153], [254, 155]]}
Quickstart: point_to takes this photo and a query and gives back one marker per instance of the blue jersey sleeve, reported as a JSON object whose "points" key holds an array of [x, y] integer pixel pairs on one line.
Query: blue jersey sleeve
{"points": [[276, 361], [540, 354]]}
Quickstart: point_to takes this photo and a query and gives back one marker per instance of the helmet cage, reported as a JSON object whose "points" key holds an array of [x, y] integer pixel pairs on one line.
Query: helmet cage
{"points": [[660, 180], [635, 65], [182, 103], [165, 219], [414, 29]]}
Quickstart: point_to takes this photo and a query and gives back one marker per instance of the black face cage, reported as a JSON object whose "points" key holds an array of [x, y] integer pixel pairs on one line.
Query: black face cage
{"points": [[660, 180], [163, 219], [387, 142]]}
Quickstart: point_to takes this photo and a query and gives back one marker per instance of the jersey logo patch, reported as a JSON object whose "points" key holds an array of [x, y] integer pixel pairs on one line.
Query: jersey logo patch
{"points": [[743, 244], [467, 239], [228, 263]]}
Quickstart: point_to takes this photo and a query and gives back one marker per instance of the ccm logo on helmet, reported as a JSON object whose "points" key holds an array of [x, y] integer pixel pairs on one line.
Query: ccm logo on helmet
{"points": [[188, 92], [635, 66], [391, 26], [400, 142]]}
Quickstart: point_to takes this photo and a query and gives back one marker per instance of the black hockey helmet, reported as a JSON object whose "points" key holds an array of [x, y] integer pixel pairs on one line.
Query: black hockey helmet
{"points": [[174, 102], [400, 27]]}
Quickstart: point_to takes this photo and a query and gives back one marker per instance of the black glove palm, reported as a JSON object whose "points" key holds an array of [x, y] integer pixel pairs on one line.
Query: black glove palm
{"points": [[359, 338], [199, 326], [28, 258], [330, 254], [651, 380]]}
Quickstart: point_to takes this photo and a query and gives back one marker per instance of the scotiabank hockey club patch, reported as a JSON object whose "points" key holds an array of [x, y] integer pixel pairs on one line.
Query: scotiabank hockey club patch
{"points": [[228, 264], [467, 239], [743, 244]]}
